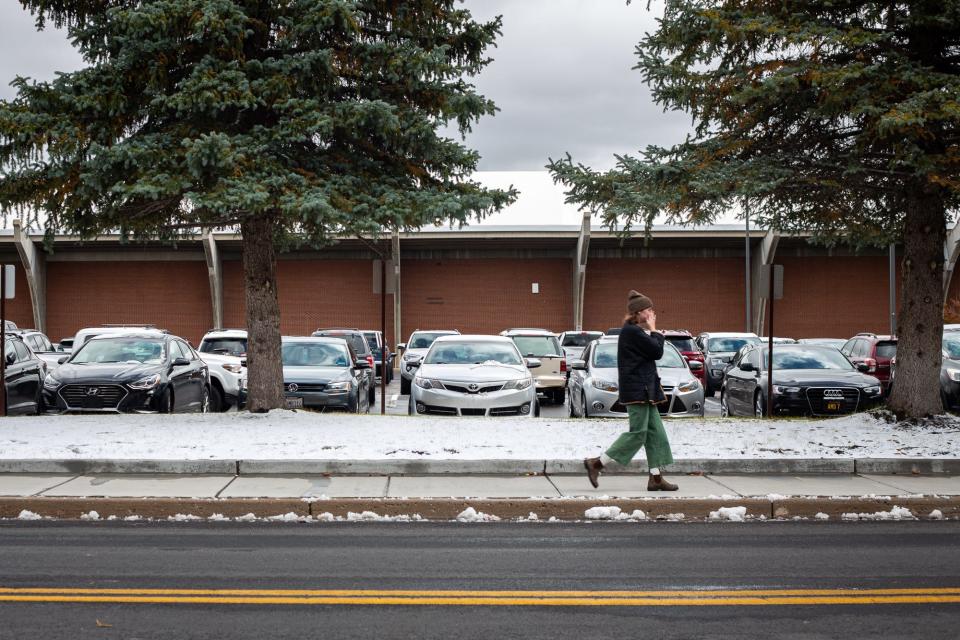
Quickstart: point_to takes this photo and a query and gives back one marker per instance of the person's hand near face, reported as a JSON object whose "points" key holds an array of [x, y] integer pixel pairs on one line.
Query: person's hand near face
{"points": [[648, 318]]}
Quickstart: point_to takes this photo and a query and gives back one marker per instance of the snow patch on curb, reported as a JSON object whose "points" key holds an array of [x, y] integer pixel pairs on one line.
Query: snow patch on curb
{"points": [[472, 515], [733, 514], [613, 513], [896, 513], [29, 515], [936, 514], [92, 515]]}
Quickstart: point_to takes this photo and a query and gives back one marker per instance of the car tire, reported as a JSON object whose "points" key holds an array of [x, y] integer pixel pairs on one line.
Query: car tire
{"points": [[205, 400], [217, 402], [536, 408], [724, 408], [404, 386], [708, 391], [166, 404]]}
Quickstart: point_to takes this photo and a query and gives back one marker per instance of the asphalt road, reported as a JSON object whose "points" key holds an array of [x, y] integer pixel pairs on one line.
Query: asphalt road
{"points": [[823, 562]]}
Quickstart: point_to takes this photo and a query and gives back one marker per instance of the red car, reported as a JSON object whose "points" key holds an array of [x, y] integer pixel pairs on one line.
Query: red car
{"points": [[684, 343], [875, 352]]}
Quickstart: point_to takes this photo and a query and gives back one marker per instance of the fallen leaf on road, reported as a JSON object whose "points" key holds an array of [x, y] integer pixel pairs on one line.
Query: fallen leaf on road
{"points": [[103, 625]]}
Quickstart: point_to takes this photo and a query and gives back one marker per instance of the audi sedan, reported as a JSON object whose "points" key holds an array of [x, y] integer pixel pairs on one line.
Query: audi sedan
{"points": [[594, 390], [148, 371], [474, 376], [807, 380], [322, 373]]}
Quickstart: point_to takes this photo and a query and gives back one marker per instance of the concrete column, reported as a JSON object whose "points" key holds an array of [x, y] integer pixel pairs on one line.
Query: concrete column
{"points": [[397, 324], [765, 256], [35, 266], [580, 271], [951, 250], [215, 274]]}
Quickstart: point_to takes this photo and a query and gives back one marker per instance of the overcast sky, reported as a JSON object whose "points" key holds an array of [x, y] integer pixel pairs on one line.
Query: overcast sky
{"points": [[561, 77]]}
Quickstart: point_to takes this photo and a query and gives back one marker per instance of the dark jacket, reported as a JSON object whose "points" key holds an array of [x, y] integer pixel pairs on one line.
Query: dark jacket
{"points": [[637, 355]]}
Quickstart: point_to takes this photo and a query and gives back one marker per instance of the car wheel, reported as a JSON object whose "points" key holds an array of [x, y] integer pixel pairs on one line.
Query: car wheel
{"points": [[404, 387], [536, 408], [217, 402], [166, 401], [708, 391], [724, 409], [759, 410]]}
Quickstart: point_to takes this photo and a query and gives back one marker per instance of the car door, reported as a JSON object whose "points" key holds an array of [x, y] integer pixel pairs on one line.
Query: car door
{"points": [[13, 372], [180, 377], [31, 377], [578, 377], [733, 381], [198, 374], [751, 379]]}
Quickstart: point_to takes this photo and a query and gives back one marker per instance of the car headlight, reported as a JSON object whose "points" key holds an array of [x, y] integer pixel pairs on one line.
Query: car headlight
{"points": [[717, 362], [605, 385], [232, 368], [781, 389], [870, 391], [428, 383], [146, 383], [338, 386], [685, 387], [954, 374], [520, 384], [51, 382], [410, 357]]}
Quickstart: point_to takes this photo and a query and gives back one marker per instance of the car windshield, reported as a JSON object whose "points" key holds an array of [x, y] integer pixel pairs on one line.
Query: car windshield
{"points": [[423, 340], [356, 340], [472, 353], [808, 358], [886, 349], [682, 343], [132, 350], [224, 346], [730, 344], [951, 346], [371, 340], [581, 339], [605, 357], [313, 354], [538, 346]]}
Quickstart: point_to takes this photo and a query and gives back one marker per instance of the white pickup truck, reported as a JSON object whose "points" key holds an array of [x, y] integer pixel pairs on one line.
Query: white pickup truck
{"points": [[223, 350]]}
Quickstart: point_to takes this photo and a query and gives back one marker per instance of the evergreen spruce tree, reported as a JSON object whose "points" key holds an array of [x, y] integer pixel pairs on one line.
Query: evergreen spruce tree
{"points": [[292, 120], [836, 117]]}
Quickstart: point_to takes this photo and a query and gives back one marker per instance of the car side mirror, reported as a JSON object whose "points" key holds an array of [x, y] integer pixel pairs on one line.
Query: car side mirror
{"points": [[402, 346], [63, 359], [532, 363], [746, 366], [863, 367], [180, 362], [695, 365], [413, 364], [579, 365]]}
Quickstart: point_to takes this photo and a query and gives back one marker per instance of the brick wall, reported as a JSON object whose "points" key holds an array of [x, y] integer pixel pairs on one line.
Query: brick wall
{"points": [[172, 295], [20, 309], [486, 295], [696, 294]]}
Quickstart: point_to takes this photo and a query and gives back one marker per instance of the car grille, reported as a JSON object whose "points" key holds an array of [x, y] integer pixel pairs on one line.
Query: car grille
{"points": [[440, 411], [304, 388], [618, 407], [473, 412], [507, 411], [79, 396], [463, 389], [849, 399]]}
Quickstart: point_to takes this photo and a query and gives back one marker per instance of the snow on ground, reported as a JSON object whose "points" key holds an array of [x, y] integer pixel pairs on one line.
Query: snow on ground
{"points": [[734, 514], [307, 435]]}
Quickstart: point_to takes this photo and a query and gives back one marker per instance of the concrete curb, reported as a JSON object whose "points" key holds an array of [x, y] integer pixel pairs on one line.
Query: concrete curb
{"points": [[716, 466], [692, 509]]}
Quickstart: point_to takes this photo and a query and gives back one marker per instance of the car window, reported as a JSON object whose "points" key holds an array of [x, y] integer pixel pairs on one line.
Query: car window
{"points": [[671, 359], [224, 346], [579, 339], [176, 350], [886, 349], [23, 354], [604, 356], [312, 354], [753, 357], [847, 348], [730, 344], [538, 346], [472, 353], [951, 346], [372, 340], [682, 343], [131, 350], [356, 339], [186, 349], [423, 340], [809, 358]]}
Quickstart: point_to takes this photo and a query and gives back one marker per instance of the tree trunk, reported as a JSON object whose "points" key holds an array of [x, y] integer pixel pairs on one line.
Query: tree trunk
{"points": [[264, 367], [916, 390]]}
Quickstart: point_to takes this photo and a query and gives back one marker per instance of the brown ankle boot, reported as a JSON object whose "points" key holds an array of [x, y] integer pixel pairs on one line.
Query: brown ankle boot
{"points": [[657, 483], [593, 467]]}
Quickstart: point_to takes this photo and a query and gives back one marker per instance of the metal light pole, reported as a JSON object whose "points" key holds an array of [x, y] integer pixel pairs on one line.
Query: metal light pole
{"points": [[747, 267]]}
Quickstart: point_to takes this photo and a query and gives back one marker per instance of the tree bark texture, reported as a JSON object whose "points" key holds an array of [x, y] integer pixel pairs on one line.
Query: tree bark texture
{"points": [[916, 388], [264, 366]]}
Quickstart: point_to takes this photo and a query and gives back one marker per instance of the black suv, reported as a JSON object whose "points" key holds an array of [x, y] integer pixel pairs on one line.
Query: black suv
{"points": [[381, 348], [131, 372], [24, 377], [356, 339]]}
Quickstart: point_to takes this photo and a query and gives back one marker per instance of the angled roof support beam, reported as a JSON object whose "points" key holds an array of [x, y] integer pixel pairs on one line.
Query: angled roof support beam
{"points": [[35, 266], [580, 271], [765, 256], [951, 251], [215, 274], [395, 258]]}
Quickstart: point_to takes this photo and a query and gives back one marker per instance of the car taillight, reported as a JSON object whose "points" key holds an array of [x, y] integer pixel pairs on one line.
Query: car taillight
{"points": [[563, 366], [694, 356], [871, 365]]}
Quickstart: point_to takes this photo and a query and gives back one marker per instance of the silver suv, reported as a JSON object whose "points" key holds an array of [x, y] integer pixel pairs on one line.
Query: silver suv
{"points": [[413, 351], [224, 351]]}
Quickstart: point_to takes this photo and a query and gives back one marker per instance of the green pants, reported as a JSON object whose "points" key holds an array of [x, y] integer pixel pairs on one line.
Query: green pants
{"points": [[646, 432]]}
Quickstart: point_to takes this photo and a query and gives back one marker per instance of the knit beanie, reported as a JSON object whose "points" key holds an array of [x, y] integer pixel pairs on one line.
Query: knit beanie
{"points": [[637, 302]]}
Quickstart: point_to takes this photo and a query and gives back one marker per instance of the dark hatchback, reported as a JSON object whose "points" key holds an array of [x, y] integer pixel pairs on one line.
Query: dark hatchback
{"points": [[24, 377], [133, 372], [807, 380]]}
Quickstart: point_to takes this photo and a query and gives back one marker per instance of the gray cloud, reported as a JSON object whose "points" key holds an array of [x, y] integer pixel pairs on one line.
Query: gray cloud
{"points": [[561, 77]]}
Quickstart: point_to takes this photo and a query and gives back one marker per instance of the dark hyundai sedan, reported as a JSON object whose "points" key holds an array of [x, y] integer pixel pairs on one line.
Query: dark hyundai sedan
{"points": [[807, 380], [133, 372]]}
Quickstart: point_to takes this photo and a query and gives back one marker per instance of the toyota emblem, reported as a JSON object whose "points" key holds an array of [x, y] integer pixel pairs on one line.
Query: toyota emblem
{"points": [[473, 387], [292, 386], [92, 391]]}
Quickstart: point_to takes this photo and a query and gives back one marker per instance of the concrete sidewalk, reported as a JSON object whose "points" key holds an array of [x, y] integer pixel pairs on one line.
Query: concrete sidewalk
{"points": [[565, 496]]}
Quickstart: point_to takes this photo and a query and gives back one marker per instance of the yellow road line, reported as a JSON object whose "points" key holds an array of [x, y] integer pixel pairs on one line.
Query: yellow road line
{"points": [[512, 602]]}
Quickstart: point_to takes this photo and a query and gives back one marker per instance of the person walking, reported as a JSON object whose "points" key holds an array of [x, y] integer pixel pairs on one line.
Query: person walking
{"points": [[638, 349]]}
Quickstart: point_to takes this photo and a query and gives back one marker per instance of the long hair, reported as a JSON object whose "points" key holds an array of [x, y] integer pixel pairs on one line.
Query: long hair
{"points": [[632, 318]]}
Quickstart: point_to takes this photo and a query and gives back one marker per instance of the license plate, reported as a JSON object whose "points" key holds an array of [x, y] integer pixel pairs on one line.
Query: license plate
{"points": [[833, 406], [294, 403]]}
